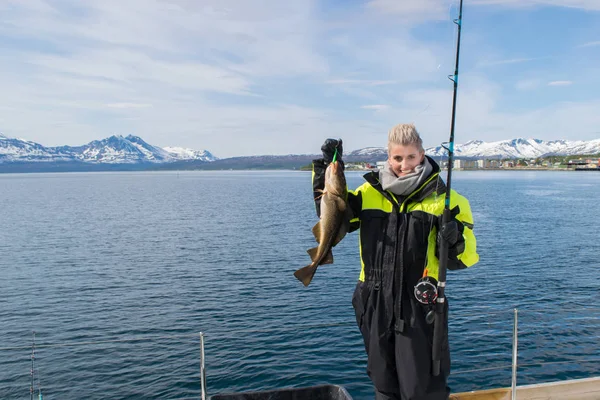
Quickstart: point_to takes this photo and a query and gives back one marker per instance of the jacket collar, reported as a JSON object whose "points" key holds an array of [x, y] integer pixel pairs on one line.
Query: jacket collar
{"points": [[434, 183]]}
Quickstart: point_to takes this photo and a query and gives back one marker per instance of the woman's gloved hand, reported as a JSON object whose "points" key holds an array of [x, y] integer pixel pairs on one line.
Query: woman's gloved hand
{"points": [[449, 233], [329, 147]]}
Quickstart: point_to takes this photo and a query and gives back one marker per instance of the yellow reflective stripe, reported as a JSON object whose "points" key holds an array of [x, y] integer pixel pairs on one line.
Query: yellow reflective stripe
{"points": [[433, 264], [469, 256], [372, 199], [433, 204]]}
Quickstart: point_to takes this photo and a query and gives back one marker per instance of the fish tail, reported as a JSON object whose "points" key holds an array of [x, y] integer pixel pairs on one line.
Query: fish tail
{"points": [[306, 274]]}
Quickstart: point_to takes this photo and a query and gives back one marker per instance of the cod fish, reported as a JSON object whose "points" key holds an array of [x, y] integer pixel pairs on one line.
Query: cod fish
{"points": [[333, 225]]}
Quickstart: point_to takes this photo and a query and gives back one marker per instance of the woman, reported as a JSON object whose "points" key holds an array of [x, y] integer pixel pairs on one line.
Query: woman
{"points": [[398, 211]]}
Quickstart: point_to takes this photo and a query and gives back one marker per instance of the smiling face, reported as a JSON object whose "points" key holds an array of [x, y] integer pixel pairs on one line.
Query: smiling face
{"points": [[404, 158]]}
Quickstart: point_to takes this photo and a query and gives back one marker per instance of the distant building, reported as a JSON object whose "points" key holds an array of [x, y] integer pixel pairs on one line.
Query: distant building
{"points": [[466, 164], [590, 163], [578, 163]]}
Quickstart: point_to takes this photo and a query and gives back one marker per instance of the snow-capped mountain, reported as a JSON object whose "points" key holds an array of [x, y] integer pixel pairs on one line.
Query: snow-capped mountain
{"points": [[20, 149], [368, 151], [514, 148], [112, 150], [520, 148], [133, 153], [182, 153]]}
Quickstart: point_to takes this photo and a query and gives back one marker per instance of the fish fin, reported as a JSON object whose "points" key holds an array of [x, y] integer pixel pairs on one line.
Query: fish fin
{"points": [[313, 253], [306, 274], [316, 230], [328, 259]]}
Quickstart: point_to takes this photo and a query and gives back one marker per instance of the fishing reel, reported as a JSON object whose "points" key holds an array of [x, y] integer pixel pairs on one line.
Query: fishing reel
{"points": [[426, 293], [426, 290]]}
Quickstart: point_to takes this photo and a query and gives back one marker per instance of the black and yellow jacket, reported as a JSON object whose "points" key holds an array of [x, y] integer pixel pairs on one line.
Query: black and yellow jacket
{"points": [[398, 234]]}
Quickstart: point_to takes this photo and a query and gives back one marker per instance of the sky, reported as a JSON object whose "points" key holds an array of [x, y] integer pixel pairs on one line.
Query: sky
{"points": [[253, 77]]}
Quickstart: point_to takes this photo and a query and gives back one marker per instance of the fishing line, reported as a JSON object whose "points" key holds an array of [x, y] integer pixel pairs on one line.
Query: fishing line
{"points": [[39, 385], [453, 24], [434, 291], [32, 372], [70, 344], [424, 109], [437, 186], [334, 159]]}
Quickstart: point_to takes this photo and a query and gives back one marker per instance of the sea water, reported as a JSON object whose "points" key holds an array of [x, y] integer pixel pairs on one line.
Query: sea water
{"points": [[118, 273]]}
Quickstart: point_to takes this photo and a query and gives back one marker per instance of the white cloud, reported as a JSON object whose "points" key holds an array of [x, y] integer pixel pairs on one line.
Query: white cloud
{"points": [[527, 84], [238, 79], [590, 44], [581, 4], [365, 82], [417, 11], [413, 10], [147, 66], [480, 115], [479, 118], [274, 38], [132, 68], [560, 83], [128, 105], [507, 61], [376, 107], [394, 60]]}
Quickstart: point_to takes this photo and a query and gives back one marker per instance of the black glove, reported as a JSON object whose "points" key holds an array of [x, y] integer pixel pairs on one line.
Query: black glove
{"points": [[320, 165], [449, 233], [329, 148]]}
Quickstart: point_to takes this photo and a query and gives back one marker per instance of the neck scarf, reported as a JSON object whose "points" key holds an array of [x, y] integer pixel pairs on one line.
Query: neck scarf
{"points": [[404, 185]]}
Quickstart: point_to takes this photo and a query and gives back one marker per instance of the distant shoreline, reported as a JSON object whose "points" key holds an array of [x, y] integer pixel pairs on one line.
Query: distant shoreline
{"points": [[496, 169], [513, 169], [138, 168]]}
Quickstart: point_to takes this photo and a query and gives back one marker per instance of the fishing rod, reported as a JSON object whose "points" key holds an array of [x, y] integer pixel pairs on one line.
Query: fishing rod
{"points": [[440, 307], [32, 389]]}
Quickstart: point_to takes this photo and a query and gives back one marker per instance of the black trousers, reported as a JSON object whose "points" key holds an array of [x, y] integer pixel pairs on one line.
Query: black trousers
{"points": [[399, 363]]}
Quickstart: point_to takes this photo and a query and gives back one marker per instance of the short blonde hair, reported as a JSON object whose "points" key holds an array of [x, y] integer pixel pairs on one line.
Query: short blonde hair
{"points": [[405, 135]]}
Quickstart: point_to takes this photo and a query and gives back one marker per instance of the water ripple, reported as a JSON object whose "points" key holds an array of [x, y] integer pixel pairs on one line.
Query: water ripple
{"points": [[129, 268]]}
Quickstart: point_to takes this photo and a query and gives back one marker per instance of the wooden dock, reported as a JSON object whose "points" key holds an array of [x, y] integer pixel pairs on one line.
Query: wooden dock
{"points": [[575, 389]]}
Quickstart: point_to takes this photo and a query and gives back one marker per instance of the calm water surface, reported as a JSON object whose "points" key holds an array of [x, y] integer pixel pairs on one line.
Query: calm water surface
{"points": [[90, 261]]}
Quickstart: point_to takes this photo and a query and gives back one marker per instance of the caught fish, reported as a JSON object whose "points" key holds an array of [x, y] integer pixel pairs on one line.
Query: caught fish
{"points": [[333, 225]]}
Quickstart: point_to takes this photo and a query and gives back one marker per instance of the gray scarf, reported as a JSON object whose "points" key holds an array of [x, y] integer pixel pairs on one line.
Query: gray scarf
{"points": [[404, 185]]}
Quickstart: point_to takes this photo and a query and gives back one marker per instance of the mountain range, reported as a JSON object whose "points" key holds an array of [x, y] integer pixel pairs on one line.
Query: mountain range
{"points": [[112, 150], [133, 153], [503, 149]]}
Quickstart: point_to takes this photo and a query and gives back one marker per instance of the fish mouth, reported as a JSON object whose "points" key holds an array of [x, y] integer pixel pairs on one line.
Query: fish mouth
{"points": [[334, 166]]}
